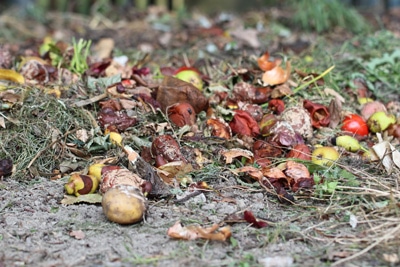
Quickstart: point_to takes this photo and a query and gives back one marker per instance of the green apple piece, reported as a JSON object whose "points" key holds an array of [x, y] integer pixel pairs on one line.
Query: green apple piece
{"points": [[380, 121], [349, 143], [192, 77]]}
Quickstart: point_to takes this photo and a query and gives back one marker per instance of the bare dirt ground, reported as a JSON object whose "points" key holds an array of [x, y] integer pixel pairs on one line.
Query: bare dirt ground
{"points": [[37, 231]]}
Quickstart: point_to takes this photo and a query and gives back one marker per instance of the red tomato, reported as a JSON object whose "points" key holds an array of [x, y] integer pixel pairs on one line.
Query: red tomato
{"points": [[354, 123]]}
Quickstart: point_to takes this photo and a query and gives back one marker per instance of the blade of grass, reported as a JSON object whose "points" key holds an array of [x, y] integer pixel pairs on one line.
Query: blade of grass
{"points": [[304, 85]]}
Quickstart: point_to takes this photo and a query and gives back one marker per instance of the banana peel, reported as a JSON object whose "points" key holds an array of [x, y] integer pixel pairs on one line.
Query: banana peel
{"points": [[12, 76]]}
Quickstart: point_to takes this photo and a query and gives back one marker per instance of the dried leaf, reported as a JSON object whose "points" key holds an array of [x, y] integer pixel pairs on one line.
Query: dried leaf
{"points": [[78, 234], [299, 176], [248, 35], [274, 173], [178, 231], [10, 97], [173, 90], [88, 198], [338, 97], [104, 48], [82, 135], [335, 109], [251, 171], [263, 151], [236, 152], [173, 171], [387, 154], [281, 90]]}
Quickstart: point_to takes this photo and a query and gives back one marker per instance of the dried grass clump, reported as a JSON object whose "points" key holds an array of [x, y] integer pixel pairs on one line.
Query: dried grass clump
{"points": [[35, 139]]}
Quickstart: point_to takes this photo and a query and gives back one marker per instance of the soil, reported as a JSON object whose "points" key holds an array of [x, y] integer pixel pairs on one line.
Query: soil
{"points": [[37, 231]]}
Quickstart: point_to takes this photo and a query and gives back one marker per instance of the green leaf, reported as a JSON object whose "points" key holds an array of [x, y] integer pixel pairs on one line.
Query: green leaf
{"points": [[331, 186], [104, 82]]}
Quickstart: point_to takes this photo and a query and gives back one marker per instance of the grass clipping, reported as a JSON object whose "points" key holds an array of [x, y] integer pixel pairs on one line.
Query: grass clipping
{"points": [[40, 135]]}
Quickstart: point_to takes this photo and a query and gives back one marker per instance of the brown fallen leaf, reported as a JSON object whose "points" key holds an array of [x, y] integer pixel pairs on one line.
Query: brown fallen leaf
{"points": [[251, 171], [335, 109], [192, 232], [236, 152], [78, 234], [104, 48], [387, 154], [281, 90], [173, 90], [299, 175], [173, 171]]}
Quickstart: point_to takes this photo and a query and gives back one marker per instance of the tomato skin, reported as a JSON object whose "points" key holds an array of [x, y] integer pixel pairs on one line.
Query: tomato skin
{"points": [[354, 123]]}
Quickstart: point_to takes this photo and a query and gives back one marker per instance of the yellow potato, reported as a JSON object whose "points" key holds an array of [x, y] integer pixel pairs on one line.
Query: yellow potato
{"points": [[124, 204]]}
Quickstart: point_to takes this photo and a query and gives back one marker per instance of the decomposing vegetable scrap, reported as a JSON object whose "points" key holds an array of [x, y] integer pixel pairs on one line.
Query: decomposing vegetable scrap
{"points": [[192, 232]]}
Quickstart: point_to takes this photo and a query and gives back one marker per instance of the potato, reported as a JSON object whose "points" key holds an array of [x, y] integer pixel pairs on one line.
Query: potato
{"points": [[124, 204]]}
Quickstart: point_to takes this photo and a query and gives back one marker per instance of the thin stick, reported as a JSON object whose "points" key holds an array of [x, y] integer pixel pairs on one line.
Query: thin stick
{"points": [[365, 250], [90, 100], [48, 146]]}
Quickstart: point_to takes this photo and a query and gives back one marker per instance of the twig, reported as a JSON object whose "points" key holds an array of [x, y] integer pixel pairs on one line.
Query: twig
{"points": [[90, 100], [365, 250], [48, 146], [370, 191], [186, 198]]}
